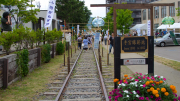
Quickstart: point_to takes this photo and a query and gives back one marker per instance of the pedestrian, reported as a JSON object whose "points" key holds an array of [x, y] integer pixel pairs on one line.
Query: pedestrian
{"points": [[105, 39], [135, 34], [156, 34], [102, 38], [111, 42], [6, 23], [79, 41], [85, 42], [89, 42]]}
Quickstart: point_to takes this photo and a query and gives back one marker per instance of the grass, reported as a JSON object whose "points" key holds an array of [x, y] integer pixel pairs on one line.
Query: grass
{"points": [[167, 62], [35, 82]]}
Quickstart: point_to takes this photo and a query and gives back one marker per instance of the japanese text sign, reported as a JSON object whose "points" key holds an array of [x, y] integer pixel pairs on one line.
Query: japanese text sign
{"points": [[134, 44], [50, 13]]}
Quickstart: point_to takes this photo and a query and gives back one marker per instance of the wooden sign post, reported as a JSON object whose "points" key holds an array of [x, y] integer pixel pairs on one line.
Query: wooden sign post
{"points": [[117, 41]]}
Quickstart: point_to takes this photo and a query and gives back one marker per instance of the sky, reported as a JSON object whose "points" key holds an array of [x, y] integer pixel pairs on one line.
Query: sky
{"points": [[96, 11]]}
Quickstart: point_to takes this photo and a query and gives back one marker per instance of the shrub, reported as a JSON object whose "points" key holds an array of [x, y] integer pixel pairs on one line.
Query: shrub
{"points": [[49, 37], [22, 62], [59, 48], [6, 40], [45, 53], [146, 88], [39, 36]]}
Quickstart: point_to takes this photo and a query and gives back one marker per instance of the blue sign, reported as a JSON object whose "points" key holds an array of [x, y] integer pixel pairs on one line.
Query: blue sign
{"points": [[96, 41], [72, 27]]}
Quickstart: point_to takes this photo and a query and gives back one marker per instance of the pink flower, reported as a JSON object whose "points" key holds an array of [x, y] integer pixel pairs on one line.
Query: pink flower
{"points": [[151, 96], [164, 79], [148, 78], [144, 85], [140, 73], [147, 98], [136, 80], [144, 77], [152, 84], [130, 77], [179, 98], [139, 77], [158, 76]]}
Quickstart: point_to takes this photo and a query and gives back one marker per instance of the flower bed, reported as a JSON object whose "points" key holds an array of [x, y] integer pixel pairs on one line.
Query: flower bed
{"points": [[143, 87]]}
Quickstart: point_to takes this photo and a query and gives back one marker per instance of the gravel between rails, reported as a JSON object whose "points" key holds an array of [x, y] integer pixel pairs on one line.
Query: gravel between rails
{"points": [[84, 84]]}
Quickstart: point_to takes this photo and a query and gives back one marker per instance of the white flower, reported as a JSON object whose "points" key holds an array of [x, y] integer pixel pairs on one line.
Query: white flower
{"points": [[141, 85], [161, 76], [127, 96], [132, 79], [123, 84], [137, 95], [140, 81], [146, 73], [126, 91], [136, 85], [134, 92], [155, 75]]}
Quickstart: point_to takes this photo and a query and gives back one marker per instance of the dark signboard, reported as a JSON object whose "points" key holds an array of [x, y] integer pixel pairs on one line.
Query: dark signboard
{"points": [[134, 44]]}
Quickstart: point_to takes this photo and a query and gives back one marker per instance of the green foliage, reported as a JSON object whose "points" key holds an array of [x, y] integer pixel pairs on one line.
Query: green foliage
{"points": [[73, 11], [39, 36], [6, 40], [178, 11], [45, 53], [50, 36], [22, 62], [31, 38], [25, 15], [123, 18], [59, 48]]}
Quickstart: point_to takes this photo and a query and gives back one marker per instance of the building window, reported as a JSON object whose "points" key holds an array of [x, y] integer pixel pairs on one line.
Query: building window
{"points": [[171, 11], [149, 14], [155, 27], [144, 14], [156, 12], [163, 11], [131, 1]]}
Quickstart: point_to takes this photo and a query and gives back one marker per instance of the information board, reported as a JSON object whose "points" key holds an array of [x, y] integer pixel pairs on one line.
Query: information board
{"points": [[134, 61], [134, 44], [96, 40]]}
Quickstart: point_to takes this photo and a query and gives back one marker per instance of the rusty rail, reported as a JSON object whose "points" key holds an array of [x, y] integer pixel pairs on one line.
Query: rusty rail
{"points": [[67, 79], [101, 79]]}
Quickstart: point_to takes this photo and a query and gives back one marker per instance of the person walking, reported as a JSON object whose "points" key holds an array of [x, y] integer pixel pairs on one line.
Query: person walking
{"points": [[89, 42], [105, 39], [85, 41], [156, 34], [111, 42], [79, 41], [102, 39], [6, 23]]}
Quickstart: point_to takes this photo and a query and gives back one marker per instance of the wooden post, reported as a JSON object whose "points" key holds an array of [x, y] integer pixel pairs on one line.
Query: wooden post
{"points": [[75, 49], [71, 52], [102, 51], [64, 59], [107, 59], [108, 45], [38, 57], [100, 63], [52, 55], [5, 73], [152, 23], [68, 64]]}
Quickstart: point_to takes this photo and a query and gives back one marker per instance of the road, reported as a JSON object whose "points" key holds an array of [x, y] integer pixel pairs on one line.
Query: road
{"points": [[170, 52]]}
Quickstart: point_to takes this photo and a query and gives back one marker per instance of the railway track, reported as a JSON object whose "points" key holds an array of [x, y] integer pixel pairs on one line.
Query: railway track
{"points": [[83, 83]]}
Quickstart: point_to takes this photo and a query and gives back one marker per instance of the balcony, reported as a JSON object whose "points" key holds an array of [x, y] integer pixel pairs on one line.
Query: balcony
{"points": [[136, 16]]}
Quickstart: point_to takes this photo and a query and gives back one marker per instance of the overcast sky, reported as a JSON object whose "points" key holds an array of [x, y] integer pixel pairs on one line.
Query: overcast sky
{"points": [[96, 11]]}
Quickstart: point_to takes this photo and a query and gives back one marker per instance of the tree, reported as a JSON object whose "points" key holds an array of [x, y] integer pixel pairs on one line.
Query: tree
{"points": [[178, 10], [23, 15], [123, 18], [73, 11]]}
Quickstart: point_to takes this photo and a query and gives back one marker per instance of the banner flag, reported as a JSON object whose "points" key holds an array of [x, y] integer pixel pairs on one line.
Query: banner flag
{"points": [[77, 29], [149, 28], [96, 41], [50, 13]]}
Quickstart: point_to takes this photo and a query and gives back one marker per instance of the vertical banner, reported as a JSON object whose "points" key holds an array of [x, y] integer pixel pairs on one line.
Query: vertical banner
{"points": [[96, 40], [149, 28], [77, 29], [173, 38], [50, 13]]}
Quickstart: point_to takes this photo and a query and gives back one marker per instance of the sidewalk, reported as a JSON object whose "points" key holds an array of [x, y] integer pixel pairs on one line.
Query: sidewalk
{"points": [[172, 76]]}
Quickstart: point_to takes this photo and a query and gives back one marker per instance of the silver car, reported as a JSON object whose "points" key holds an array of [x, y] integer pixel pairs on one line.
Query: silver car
{"points": [[167, 40]]}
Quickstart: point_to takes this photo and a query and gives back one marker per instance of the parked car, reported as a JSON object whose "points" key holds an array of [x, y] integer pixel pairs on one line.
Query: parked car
{"points": [[167, 40]]}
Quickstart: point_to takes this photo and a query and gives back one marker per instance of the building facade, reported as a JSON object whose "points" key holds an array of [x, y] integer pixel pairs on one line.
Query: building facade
{"points": [[136, 12], [160, 12]]}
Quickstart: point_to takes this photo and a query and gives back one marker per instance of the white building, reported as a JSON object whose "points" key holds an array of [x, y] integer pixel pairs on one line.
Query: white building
{"points": [[42, 16]]}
